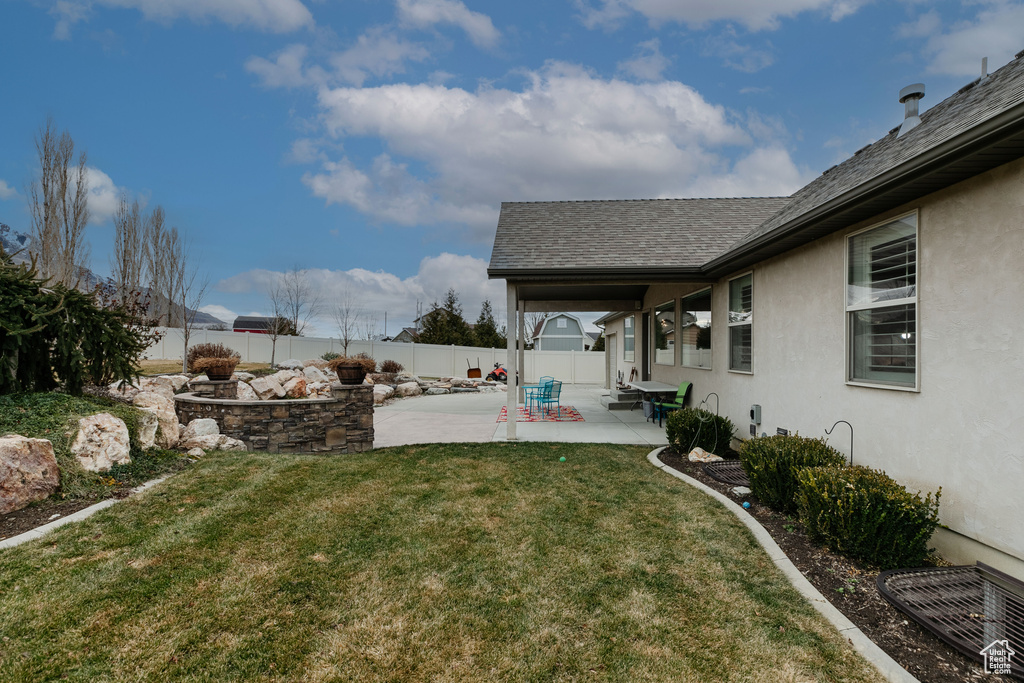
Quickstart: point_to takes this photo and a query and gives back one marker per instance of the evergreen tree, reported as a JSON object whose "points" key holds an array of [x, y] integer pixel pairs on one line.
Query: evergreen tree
{"points": [[445, 325], [485, 333], [599, 344]]}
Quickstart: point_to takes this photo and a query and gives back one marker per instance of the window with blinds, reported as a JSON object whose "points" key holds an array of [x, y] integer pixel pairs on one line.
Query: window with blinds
{"points": [[882, 304], [741, 318]]}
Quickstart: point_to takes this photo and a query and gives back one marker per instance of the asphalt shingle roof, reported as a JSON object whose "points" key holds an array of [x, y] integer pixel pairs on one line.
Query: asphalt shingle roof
{"points": [[640, 233]]}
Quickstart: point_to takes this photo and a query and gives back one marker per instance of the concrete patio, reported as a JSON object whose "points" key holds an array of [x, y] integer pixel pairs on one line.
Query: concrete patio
{"points": [[461, 418]]}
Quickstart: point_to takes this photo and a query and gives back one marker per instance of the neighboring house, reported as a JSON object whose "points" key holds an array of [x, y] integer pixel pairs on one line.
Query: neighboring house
{"points": [[407, 335], [252, 323], [561, 332], [887, 292]]}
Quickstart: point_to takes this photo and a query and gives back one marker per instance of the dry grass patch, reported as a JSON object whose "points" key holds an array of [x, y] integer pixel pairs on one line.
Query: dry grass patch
{"points": [[451, 563]]}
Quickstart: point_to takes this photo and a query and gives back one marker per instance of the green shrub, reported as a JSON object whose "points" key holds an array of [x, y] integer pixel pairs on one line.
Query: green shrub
{"points": [[691, 428], [773, 462], [52, 336], [330, 355], [208, 350], [865, 514]]}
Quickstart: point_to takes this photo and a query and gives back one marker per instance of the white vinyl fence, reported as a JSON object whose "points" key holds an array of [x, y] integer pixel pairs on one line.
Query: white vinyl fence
{"points": [[427, 360]]}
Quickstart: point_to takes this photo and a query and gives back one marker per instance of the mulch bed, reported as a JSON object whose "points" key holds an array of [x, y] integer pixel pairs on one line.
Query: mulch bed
{"points": [[46, 511], [850, 587]]}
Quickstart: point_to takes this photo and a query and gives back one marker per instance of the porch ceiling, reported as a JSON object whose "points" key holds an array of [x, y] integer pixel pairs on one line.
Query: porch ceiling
{"points": [[551, 297]]}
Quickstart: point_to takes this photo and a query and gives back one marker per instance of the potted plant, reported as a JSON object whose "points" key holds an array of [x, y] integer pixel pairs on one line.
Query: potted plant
{"points": [[352, 370], [217, 368]]}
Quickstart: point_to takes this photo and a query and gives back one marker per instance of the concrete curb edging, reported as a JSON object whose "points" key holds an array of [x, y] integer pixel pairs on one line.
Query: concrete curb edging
{"points": [[41, 531], [885, 664]]}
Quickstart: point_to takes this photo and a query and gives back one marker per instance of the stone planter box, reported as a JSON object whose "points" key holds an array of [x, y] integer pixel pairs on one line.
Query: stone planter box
{"points": [[340, 424]]}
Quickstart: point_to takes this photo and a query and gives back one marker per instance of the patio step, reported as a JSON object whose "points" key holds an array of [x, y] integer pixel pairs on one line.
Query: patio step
{"points": [[620, 400]]}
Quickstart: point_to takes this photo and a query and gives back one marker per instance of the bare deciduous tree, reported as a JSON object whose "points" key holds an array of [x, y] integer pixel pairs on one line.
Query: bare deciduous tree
{"points": [[370, 328], [60, 207], [300, 301], [280, 324], [128, 264], [347, 313], [187, 291]]}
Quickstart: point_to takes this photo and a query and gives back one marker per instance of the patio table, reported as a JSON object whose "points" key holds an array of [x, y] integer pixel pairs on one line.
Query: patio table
{"points": [[655, 389], [530, 388]]}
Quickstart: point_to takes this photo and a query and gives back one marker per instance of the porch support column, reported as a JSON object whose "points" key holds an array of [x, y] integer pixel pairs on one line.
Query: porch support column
{"points": [[522, 352], [511, 402]]}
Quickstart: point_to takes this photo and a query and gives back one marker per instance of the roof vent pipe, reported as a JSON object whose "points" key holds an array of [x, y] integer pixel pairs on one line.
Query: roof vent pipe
{"points": [[909, 97], [984, 68]]}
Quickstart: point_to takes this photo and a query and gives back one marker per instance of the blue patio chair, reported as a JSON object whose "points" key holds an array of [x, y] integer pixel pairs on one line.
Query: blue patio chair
{"points": [[534, 394], [663, 408], [552, 396]]}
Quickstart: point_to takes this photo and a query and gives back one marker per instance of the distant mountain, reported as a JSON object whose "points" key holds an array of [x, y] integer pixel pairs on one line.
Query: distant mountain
{"points": [[16, 243]]}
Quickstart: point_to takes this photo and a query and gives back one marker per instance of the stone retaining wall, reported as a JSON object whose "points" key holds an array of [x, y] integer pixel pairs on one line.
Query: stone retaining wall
{"points": [[340, 424]]}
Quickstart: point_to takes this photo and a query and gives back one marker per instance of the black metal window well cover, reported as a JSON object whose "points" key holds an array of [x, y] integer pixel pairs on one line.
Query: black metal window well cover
{"points": [[728, 472], [967, 607]]}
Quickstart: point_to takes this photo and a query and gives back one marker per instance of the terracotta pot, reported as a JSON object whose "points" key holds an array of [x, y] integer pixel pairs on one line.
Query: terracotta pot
{"points": [[350, 373]]}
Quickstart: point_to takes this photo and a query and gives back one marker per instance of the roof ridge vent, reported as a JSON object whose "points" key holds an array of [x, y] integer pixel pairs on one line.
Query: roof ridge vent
{"points": [[909, 96]]}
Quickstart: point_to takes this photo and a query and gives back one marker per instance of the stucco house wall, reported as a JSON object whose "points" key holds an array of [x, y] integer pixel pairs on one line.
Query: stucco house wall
{"points": [[962, 430]]}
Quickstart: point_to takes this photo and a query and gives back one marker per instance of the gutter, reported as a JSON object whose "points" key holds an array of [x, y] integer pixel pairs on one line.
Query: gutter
{"points": [[999, 127]]}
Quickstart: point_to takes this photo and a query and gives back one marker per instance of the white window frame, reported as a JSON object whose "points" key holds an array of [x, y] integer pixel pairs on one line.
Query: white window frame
{"points": [[629, 333], [672, 347], [682, 310], [914, 300], [749, 323]]}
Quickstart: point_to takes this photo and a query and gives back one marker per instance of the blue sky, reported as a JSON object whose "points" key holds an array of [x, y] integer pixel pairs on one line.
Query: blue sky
{"points": [[372, 142]]}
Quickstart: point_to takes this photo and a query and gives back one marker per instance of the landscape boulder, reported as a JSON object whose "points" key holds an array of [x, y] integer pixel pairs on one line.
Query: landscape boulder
{"points": [[102, 441], [437, 391], [408, 389], [243, 376], [314, 374], [214, 442], [158, 385], [700, 455], [245, 392], [291, 364], [145, 434], [295, 387], [381, 392], [28, 472], [267, 388], [163, 408], [202, 426], [196, 452]]}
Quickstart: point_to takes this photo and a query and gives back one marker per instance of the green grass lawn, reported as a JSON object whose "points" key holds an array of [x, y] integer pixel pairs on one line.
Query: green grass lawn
{"points": [[452, 562]]}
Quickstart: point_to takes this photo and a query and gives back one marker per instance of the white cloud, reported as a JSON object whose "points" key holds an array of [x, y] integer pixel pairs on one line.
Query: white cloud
{"points": [[647, 64], [428, 13], [219, 312], [104, 196], [994, 33], [756, 15], [765, 172], [381, 291], [736, 55], [67, 13], [6, 191], [565, 135], [276, 16], [286, 69], [377, 52]]}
